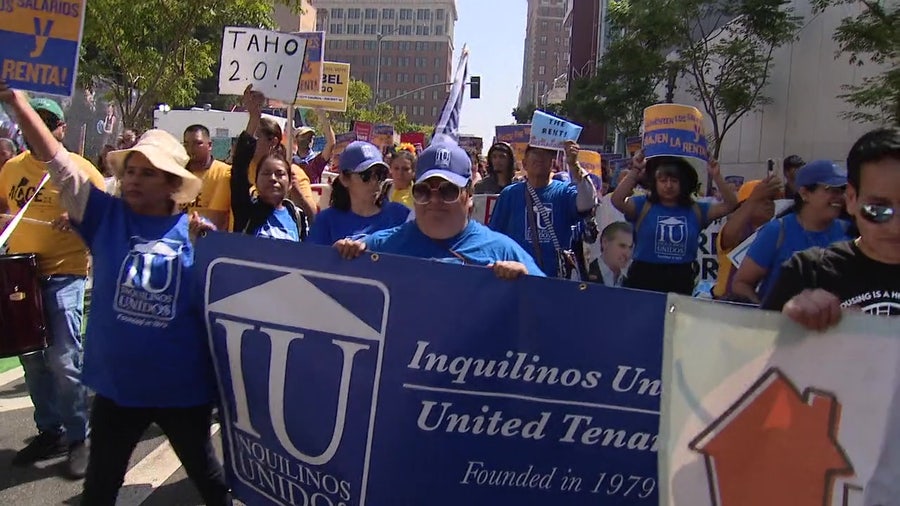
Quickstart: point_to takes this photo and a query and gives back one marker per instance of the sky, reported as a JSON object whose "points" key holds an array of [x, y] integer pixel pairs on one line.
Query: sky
{"points": [[495, 33]]}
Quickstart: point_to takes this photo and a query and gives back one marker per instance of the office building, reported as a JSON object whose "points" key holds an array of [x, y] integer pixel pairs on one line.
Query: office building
{"points": [[415, 53], [288, 21], [546, 50], [587, 31]]}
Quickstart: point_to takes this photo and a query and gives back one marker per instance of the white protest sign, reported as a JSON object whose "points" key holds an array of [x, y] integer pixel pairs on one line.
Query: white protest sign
{"points": [[482, 206], [271, 61], [550, 132], [737, 254]]}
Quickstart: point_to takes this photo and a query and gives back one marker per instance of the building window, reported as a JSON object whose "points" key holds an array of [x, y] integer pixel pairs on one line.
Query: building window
{"points": [[406, 14], [338, 44], [426, 31], [543, 25], [435, 78], [337, 13], [336, 28], [387, 60], [434, 95], [386, 76], [387, 13], [420, 62], [403, 109], [352, 13], [420, 78], [543, 39], [542, 70], [543, 54], [369, 44], [434, 112], [387, 29], [370, 29], [439, 14], [371, 13], [404, 45], [403, 61], [353, 29], [405, 30], [423, 14], [439, 30], [437, 63]]}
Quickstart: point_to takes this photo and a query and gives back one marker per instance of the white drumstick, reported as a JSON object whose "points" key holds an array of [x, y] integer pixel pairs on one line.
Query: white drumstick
{"points": [[7, 217]]}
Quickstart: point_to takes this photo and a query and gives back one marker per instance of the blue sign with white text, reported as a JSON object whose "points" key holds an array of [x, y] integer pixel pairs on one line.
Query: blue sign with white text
{"points": [[386, 381]]}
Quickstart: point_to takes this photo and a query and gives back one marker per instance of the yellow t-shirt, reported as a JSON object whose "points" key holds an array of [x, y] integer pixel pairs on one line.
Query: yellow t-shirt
{"points": [[58, 252], [725, 267], [402, 197], [214, 179], [221, 198]]}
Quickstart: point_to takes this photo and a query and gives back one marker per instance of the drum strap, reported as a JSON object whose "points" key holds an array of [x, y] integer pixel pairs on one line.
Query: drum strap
{"points": [[19, 215]]}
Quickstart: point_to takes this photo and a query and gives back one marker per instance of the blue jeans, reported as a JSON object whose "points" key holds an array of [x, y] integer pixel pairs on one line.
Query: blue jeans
{"points": [[53, 376]]}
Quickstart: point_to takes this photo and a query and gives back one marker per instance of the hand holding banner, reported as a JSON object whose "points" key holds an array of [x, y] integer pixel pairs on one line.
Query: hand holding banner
{"points": [[550, 132], [270, 61]]}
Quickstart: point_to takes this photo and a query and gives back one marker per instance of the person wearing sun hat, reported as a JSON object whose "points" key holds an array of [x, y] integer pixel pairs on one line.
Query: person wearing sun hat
{"points": [[146, 355], [52, 375], [442, 229]]}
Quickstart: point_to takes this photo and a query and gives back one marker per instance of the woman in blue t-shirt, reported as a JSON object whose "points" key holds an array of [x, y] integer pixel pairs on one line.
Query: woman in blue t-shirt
{"points": [[814, 221], [145, 354], [668, 222], [357, 207], [267, 213]]}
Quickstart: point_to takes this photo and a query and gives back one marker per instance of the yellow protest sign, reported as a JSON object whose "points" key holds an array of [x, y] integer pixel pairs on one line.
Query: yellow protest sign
{"points": [[334, 92], [590, 160], [39, 45]]}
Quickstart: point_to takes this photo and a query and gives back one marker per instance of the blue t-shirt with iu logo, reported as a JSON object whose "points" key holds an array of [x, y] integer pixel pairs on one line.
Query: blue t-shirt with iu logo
{"points": [[145, 344], [667, 235]]}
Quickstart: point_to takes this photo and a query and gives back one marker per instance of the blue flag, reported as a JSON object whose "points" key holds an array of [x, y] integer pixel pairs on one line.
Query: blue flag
{"points": [[448, 123]]}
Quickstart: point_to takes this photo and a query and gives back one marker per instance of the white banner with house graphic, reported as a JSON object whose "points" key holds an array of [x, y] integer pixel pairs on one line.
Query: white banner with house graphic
{"points": [[757, 411]]}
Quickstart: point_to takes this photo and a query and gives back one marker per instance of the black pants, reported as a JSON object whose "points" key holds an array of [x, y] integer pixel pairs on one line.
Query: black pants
{"points": [[665, 278], [116, 430]]}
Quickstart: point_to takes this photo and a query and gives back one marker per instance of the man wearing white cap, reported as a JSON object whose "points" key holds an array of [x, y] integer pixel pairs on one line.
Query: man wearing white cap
{"points": [[311, 162], [442, 229]]}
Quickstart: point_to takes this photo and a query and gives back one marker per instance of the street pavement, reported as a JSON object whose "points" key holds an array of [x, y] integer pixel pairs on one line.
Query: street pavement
{"points": [[155, 477]]}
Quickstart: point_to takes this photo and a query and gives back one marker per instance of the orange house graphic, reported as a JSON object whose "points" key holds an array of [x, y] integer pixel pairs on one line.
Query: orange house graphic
{"points": [[774, 447]]}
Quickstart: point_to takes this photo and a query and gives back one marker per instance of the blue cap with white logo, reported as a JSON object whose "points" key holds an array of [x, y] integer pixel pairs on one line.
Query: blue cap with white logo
{"points": [[445, 160], [360, 156], [824, 172]]}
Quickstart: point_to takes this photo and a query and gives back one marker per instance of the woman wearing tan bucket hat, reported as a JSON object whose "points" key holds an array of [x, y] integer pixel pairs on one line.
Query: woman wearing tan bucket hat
{"points": [[145, 353]]}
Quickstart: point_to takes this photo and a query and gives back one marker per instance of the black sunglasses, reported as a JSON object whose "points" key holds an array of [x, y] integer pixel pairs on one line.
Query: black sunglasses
{"points": [[379, 173], [876, 213], [448, 192]]}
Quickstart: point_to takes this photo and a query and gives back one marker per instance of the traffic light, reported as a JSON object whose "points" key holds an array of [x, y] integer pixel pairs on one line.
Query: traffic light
{"points": [[475, 87]]}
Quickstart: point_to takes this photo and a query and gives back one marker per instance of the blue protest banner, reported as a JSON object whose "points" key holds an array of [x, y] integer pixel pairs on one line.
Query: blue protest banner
{"points": [[389, 381], [39, 45]]}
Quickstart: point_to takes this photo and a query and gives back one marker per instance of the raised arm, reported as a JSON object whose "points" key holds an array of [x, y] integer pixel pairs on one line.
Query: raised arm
{"points": [[625, 188], [587, 194], [243, 155], [329, 134], [74, 186], [729, 199]]}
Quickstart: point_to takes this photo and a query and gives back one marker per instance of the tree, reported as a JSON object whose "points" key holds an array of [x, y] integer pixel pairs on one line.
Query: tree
{"points": [[358, 109], [872, 36], [151, 51], [523, 114], [723, 49]]}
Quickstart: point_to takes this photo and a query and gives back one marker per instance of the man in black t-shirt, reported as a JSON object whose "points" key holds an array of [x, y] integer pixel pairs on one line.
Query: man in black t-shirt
{"points": [[816, 284]]}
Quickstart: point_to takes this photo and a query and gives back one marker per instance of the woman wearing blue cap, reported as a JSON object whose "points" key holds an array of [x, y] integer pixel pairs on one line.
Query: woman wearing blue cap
{"points": [[358, 207], [814, 222]]}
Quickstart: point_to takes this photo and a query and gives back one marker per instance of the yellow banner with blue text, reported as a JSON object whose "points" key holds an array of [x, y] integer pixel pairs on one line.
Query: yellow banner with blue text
{"points": [[39, 44]]}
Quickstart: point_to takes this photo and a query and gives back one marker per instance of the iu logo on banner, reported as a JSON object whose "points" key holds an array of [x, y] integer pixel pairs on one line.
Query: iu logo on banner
{"points": [[301, 433]]}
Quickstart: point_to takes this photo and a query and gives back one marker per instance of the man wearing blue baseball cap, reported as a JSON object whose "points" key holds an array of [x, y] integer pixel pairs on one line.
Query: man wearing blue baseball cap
{"points": [[442, 229]]}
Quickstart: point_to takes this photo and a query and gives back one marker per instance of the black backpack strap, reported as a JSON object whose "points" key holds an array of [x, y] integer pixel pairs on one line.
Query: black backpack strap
{"points": [[300, 219]]}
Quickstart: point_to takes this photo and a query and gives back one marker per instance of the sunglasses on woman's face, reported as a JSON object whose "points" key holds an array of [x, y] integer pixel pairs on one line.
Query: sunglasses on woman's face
{"points": [[876, 213], [448, 192], [378, 173]]}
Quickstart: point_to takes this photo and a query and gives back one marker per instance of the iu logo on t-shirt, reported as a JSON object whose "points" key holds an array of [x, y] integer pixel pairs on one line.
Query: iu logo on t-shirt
{"points": [[671, 236], [542, 225], [149, 281]]}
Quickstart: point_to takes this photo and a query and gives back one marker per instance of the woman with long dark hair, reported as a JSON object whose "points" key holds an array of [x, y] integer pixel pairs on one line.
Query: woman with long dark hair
{"points": [[267, 213], [357, 206], [668, 221], [501, 169]]}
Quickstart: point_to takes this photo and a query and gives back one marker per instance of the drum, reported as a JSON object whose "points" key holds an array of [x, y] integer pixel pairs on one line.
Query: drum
{"points": [[22, 326]]}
